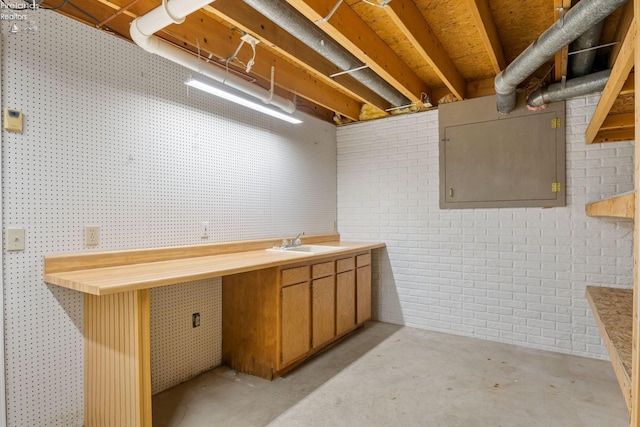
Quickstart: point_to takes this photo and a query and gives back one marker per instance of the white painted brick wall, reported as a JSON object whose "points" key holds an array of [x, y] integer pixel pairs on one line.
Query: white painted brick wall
{"points": [[513, 275]]}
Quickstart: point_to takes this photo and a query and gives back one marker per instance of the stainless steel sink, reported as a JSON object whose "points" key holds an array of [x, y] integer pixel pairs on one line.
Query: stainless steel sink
{"points": [[306, 249]]}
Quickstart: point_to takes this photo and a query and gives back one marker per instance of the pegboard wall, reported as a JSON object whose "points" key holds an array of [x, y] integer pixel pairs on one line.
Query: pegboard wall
{"points": [[114, 138]]}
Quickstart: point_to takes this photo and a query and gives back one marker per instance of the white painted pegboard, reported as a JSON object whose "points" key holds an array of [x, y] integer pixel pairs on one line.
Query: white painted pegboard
{"points": [[114, 138], [172, 332]]}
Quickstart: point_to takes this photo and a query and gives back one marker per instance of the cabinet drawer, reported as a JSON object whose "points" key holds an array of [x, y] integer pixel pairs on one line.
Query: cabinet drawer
{"points": [[322, 270], [345, 264], [362, 260], [291, 276]]}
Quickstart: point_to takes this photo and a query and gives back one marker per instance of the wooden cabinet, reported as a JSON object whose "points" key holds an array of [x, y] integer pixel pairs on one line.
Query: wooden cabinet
{"points": [[296, 322], [274, 318], [323, 303], [345, 301], [363, 288]]}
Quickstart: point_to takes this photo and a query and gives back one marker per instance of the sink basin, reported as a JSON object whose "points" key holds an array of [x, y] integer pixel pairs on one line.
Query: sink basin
{"points": [[307, 249]]}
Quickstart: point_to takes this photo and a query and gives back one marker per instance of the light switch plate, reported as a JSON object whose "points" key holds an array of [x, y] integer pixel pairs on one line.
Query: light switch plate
{"points": [[204, 229], [15, 239]]}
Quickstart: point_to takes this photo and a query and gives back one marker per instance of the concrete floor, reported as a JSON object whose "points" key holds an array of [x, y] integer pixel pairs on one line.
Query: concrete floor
{"points": [[387, 375]]}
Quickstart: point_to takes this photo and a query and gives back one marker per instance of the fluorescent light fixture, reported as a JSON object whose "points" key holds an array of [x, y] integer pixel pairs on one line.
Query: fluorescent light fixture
{"points": [[238, 100]]}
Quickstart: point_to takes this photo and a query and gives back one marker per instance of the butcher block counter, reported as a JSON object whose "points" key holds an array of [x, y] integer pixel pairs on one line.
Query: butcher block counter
{"points": [[117, 317]]}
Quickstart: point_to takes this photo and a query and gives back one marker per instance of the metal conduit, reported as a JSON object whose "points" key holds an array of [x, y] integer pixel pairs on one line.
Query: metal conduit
{"points": [[581, 63], [578, 19], [296, 24], [579, 86]]}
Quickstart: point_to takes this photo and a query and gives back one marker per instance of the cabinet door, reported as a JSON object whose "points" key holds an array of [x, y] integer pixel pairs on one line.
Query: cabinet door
{"points": [[345, 301], [363, 293], [296, 322], [324, 310]]}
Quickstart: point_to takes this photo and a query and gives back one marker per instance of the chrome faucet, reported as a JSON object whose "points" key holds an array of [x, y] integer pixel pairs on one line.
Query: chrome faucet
{"points": [[296, 241], [293, 242]]}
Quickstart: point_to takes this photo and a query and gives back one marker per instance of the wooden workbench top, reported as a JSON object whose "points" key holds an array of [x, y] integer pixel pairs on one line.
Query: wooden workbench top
{"points": [[135, 275]]}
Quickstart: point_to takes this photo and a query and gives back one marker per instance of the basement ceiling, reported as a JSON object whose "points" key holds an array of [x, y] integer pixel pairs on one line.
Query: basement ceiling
{"points": [[429, 51]]}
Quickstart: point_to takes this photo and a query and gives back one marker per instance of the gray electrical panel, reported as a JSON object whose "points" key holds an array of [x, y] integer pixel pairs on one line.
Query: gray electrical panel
{"points": [[489, 160]]}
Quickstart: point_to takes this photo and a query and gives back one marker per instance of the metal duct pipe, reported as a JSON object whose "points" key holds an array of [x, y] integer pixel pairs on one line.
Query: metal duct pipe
{"points": [[296, 24], [142, 30], [582, 62], [579, 86], [577, 20]]}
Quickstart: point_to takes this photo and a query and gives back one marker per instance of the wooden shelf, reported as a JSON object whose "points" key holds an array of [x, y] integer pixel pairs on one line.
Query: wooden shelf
{"points": [[621, 206], [613, 310], [611, 120]]}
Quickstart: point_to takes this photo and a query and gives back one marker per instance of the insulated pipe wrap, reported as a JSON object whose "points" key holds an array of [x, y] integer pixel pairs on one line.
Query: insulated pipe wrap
{"points": [[577, 20]]}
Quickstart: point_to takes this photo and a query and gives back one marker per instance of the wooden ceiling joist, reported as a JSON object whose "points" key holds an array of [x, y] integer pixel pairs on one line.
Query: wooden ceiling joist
{"points": [[488, 32], [249, 20], [287, 75], [410, 21], [201, 32], [619, 75], [350, 31]]}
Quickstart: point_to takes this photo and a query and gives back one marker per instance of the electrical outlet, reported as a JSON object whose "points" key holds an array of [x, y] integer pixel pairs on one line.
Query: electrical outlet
{"points": [[15, 239], [204, 229], [91, 235], [195, 319]]}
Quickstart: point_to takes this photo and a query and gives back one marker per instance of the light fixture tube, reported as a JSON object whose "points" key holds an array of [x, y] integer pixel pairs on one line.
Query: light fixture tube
{"points": [[238, 100]]}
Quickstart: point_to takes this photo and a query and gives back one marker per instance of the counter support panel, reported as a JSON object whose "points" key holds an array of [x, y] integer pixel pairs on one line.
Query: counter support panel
{"points": [[117, 360]]}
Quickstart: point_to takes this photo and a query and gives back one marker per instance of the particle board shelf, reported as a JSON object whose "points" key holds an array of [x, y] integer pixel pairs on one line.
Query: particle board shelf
{"points": [[613, 310], [621, 206]]}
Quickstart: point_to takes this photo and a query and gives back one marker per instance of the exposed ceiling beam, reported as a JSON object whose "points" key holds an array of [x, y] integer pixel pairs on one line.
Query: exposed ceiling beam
{"points": [[202, 32], [349, 30], [619, 75], [562, 57], [243, 16], [488, 32], [621, 31], [214, 37], [411, 22]]}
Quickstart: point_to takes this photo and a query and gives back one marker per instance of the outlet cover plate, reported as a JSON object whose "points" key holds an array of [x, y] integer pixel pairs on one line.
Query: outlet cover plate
{"points": [[15, 239], [91, 235], [195, 320]]}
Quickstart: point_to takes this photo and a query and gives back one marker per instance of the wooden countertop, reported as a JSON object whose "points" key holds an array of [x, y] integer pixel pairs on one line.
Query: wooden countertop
{"points": [[144, 275]]}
